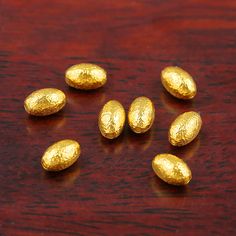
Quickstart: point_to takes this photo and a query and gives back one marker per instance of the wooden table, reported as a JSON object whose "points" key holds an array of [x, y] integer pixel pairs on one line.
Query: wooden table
{"points": [[112, 189]]}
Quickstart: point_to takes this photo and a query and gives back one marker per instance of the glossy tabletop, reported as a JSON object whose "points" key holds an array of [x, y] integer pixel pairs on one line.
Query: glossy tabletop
{"points": [[112, 189]]}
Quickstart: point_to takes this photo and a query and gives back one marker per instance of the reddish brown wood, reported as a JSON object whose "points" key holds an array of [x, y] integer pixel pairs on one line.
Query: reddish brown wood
{"points": [[112, 190]]}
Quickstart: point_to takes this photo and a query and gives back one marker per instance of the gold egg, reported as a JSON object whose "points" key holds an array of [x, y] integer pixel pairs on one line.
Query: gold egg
{"points": [[111, 119], [45, 102], [171, 169], [141, 114], [85, 76], [60, 155], [178, 82], [185, 128]]}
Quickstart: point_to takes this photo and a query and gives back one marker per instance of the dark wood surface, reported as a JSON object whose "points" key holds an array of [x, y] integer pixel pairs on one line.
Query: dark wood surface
{"points": [[112, 189]]}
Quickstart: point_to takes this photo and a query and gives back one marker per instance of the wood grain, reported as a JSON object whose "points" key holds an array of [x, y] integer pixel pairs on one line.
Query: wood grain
{"points": [[112, 190]]}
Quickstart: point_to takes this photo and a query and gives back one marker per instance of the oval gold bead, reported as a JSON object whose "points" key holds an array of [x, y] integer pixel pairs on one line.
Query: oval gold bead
{"points": [[45, 102], [171, 169], [111, 119], [141, 115], [85, 76], [178, 82], [60, 155], [185, 128]]}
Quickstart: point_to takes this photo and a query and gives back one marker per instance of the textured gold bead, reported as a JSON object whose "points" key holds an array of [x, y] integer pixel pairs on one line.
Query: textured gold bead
{"points": [[178, 82], [111, 119], [45, 102], [171, 169], [141, 115], [185, 128], [61, 155], [85, 76]]}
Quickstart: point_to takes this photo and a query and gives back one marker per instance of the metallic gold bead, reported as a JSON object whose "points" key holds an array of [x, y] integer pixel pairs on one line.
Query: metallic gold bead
{"points": [[178, 82], [141, 114], [85, 76], [185, 128], [111, 119], [171, 169], [60, 155], [45, 102]]}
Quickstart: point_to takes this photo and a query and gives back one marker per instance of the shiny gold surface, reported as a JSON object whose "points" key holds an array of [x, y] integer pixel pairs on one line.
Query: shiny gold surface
{"points": [[45, 102], [178, 82], [171, 169], [85, 76], [60, 155], [111, 119], [141, 114], [185, 128]]}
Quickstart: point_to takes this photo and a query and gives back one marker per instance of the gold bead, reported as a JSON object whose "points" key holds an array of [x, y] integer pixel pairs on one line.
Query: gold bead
{"points": [[185, 128], [61, 155], [141, 115], [178, 82], [45, 102], [111, 119], [85, 76], [171, 169]]}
